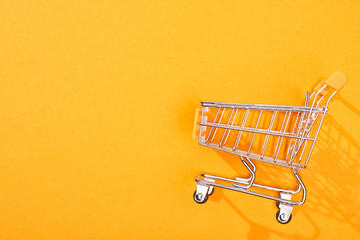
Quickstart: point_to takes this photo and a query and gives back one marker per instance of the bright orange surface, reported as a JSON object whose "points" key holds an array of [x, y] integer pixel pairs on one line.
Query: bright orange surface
{"points": [[97, 101]]}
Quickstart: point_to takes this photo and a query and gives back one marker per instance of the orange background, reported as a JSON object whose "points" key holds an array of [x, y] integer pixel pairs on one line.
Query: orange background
{"points": [[97, 101]]}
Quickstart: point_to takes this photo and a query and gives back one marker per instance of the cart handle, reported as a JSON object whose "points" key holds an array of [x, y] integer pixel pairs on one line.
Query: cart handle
{"points": [[335, 81]]}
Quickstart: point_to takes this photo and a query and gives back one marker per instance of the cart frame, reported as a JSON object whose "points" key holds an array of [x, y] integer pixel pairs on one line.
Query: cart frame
{"points": [[298, 126]]}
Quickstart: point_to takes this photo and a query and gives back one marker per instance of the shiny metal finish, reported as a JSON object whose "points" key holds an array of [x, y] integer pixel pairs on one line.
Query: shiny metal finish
{"points": [[245, 190], [261, 107], [281, 135], [298, 123]]}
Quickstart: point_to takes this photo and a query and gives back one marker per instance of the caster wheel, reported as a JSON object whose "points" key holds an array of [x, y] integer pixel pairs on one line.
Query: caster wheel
{"points": [[279, 218], [200, 198], [278, 205], [211, 192]]}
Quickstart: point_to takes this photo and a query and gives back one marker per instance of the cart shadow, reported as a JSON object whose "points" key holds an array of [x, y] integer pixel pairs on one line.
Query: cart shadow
{"points": [[258, 231], [334, 192], [331, 176]]}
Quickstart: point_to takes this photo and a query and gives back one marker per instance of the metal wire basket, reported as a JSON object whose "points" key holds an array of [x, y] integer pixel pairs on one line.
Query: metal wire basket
{"points": [[276, 134]]}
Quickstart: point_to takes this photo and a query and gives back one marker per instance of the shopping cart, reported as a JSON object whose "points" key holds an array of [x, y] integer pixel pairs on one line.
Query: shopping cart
{"points": [[276, 134]]}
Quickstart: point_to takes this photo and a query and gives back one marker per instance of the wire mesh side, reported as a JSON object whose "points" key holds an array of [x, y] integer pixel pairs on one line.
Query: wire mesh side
{"points": [[275, 136]]}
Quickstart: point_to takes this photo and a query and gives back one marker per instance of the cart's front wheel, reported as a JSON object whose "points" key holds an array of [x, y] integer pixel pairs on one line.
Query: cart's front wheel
{"points": [[281, 218], [200, 198]]}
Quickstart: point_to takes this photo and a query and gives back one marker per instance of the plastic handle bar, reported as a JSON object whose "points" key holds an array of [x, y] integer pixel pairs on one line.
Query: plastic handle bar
{"points": [[335, 81]]}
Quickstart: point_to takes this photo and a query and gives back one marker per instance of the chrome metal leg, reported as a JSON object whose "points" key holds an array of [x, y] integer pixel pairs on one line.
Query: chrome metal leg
{"points": [[206, 184]]}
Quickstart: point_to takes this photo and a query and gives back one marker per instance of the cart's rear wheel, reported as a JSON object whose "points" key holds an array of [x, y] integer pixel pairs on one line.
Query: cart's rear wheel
{"points": [[280, 218], [200, 198]]}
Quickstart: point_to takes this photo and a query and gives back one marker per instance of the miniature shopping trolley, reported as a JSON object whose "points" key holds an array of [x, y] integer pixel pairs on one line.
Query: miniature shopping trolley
{"points": [[275, 134]]}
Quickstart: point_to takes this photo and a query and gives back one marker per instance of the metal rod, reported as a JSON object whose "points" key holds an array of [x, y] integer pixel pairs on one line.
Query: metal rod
{"points": [[222, 114], [246, 182], [301, 141], [302, 152], [240, 132], [308, 114], [252, 156], [207, 139], [232, 123], [241, 181], [250, 170], [261, 131], [243, 190], [252, 178], [312, 94], [288, 151], [301, 122], [252, 164], [256, 126], [261, 107], [296, 145], [317, 132], [281, 138], [305, 133], [297, 117], [275, 189], [222, 138], [317, 104], [293, 132], [281, 130], [269, 130], [261, 194]]}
